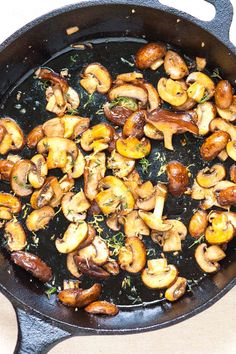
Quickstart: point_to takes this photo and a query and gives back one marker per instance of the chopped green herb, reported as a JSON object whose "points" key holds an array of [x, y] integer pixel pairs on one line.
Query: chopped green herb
{"points": [[126, 61], [74, 58], [126, 282], [72, 111], [198, 241], [44, 84], [97, 219], [216, 73], [15, 178], [90, 100], [115, 243], [204, 98], [145, 164], [99, 111], [126, 102], [50, 291]]}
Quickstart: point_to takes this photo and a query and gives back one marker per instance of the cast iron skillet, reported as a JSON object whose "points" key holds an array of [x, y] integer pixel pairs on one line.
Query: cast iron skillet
{"points": [[43, 322]]}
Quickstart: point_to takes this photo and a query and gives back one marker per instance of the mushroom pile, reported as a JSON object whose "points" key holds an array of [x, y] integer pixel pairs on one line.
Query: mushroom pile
{"points": [[105, 158]]}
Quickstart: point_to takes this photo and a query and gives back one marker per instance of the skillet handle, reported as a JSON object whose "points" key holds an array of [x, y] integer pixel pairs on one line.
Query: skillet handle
{"points": [[35, 335]]}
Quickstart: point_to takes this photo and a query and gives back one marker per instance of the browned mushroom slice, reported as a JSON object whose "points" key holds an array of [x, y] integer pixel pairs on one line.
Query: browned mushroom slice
{"points": [[133, 147], [201, 63], [201, 86], [58, 150], [159, 275], [117, 114], [223, 125], [53, 128], [86, 266], [198, 224], [223, 95], [134, 91], [79, 297], [178, 179], [74, 206], [132, 257], [71, 266], [175, 65], [154, 220], [47, 74], [102, 308], [146, 196], [97, 138], [5, 169], [128, 77], [172, 92], [74, 235], [170, 123], [34, 136], [113, 196], [134, 225], [209, 177], [94, 171], [151, 132], [97, 252], [173, 237], [149, 54], [38, 174], [112, 267], [13, 137], [134, 124], [229, 114], [19, 178], [33, 264], [113, 222], [9, 204], [204, 263], [66, 183], [132, 182], [214, 144], [96, 77], [232, 172], [221, 231], [15, 235], [154, 100], [50, 194], [178, 289], [74, 125], [206, 112], [121, 166], [227, 196], [40, 218]]}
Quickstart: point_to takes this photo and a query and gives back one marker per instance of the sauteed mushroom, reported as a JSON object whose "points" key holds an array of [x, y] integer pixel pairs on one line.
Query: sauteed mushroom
{"points": [[134, 91], [198, 224], [133, 148], [132, 257], [79, 297], [121, 166], [12, 136], [102, 308], [74, 206], [201, 82], [223, 94], [175, 65], [15, 235], [96, 77], [206, 112], [34, 136], [214, 144], [74, 235], [178, 178], [20, 177], [149, 54], [97, 138], [204, 263], [159, 275], [134, 225], [178, 289], [209, 177], [229, 114], [172, 92], [94, 171], [38, 219]]}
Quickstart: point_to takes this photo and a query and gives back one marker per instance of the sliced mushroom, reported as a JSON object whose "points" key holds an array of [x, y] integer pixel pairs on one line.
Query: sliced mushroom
{"points": [[214, 253], [201, 63], [114, 196], [198, 224], [173, 237], [74, 125], [39, 219], [19, 178], [87, 267], [112, 267], [151, 132], [33, 264], [94, 171], [148, 54], [223, 125], [154, 220], [154, 100], [113, 222], [74, 235], [121, 166], [227, 196], [146, 196], [172, 91], [231, 150], [128, 77], [49, 194], [204, 263], [175, 65], [159, 275], [229, 114], [15, 236], [132, 182], [117, 114], [133, 91], [53, 128], [38, 174], [170, 123], [204, 84], [5, 169], [102, 308], [134, 124], [34, 136], [177, 290], [79, 297], [89, 239], [9, 204], [134, 225], [232, 172], [97, 138], [132, 257], [206, 112], [96, 77], [223, 94], [58, 150], [178, 179], [75, 168], [97, 252], [231, 216], [66, 183], [133, 148], [214, 144], [71, 265], [221, 231], [74, 206], [209, 177], [13, 137]]}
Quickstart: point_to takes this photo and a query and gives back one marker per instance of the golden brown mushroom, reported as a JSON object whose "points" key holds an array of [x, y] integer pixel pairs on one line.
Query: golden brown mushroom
{"points": [[34, 136], [134, 225], [20, 176], [209, 177], [39, 219], [102, 308], [229, 114], [177, 290], [79, 297], [94, 171], [159, 275], [198, 224], [204, 263], [219, 124], [201, 86], [214, 144], [121, 166], [133, 147], [130, 90], [97, 252], [206, 112], [74, 206], [175, 65], [96, 77], [13, 137], [49, 194], [172, 92], [132, 257], [15, 235], [74, 235], [134, 124], [97, 138], [223, 94], [221, 231], [149, 54], [178, 179]]}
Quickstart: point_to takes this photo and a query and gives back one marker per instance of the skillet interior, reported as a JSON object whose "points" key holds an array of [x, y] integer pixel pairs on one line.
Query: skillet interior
{"points": [[151, 24]]}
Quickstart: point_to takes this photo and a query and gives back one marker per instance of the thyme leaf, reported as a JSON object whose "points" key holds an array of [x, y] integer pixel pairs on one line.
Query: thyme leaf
{"points": [[145, 164], [198, 241]]}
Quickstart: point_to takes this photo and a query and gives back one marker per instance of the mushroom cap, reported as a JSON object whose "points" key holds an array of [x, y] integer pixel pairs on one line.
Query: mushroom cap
{"points": [[209, 177], [79, 297], [15, 235], [132, 257], [101, 74], [175, 65], [133, 148], [19, 177], [204, 263], [102, 308], [131, 90], [73, 236], [39, 218], [159, 275], [148, 54]]}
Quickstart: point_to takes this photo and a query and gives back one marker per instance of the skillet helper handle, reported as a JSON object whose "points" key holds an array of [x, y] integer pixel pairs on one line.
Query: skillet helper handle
{"points": [[35, 335]]}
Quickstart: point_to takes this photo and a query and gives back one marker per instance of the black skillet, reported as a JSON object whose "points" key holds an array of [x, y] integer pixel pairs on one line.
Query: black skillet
{"points": [[116, 29]]}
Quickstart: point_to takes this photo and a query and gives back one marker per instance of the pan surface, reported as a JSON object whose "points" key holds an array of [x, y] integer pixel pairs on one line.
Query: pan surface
{"points": [[141, 308]]}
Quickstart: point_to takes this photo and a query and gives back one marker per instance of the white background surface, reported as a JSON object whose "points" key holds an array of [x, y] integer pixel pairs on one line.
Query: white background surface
{"points": [[213, 331]]}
